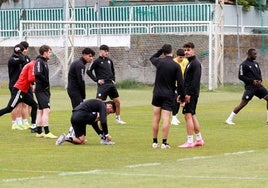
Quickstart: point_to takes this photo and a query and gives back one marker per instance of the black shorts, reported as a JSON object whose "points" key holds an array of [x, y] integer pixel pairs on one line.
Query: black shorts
{"points": [[191, 106], [250, 91], [79, 121], [107, 90], [43, 99], [166, 103]]}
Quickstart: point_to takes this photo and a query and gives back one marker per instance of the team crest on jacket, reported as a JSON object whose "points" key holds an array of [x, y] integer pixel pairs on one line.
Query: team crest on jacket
{"points": [[109, 61]]}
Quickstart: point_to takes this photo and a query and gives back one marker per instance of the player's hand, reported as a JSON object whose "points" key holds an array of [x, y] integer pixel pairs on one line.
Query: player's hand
{"points": [[257, 83], [101, 81], [187, 99], [17, 49], [179, 100]]}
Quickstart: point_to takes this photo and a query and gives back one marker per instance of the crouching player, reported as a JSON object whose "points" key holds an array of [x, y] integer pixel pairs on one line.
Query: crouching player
{"points": [[89, 112]]}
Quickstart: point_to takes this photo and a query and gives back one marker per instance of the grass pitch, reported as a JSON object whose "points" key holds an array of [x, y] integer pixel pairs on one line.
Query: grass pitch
{"points": [[233, 156]]}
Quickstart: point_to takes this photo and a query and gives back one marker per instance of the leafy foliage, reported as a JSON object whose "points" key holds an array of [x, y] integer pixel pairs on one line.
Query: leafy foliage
{"points": [[256, 3]]}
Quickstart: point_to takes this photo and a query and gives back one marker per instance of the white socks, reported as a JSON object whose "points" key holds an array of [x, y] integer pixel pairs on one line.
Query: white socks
{"points": [[198, 136], [19, 121], [190, 139], [117, 117], [231, 116]]}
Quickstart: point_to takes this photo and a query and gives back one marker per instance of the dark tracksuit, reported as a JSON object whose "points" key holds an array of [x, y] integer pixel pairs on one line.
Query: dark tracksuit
{"points": [[192, 77], [104, 70], [15, 65], [249, 71], [42, 87], [167, 74], [76, 82], [87, 113]]}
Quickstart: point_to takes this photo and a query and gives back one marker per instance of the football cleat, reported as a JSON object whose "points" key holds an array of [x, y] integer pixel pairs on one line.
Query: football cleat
{"points": [[26, 126], [50, 135], [165, 146], [175, 121], [16, 127], [60, 140], [119, 121], [41, 135], [155, 145], [199, 142], [229, 122], [105, 142], [187, 145]]}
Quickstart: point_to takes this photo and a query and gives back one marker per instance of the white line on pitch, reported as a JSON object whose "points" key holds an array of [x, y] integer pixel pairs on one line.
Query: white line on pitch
{"points": [[22, 179], [143, 165], [60, 173]]}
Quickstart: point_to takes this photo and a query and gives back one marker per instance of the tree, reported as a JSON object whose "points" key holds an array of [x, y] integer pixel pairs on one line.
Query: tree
{"points": [[259, 4]]}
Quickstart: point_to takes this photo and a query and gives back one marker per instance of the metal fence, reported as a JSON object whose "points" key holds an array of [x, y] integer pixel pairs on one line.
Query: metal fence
{"points": [[10, 19]]}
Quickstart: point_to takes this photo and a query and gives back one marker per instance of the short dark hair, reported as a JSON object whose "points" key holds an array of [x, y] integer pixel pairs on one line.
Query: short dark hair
{"points": [[166, 49], [180, 52], [88, 51], [112, 103], [44, 48], [251, 50], [189, 45], [25, 44], [104, 47]]}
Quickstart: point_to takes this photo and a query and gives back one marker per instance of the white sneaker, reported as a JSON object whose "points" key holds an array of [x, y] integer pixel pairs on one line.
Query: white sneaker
{"points": [[229, 122], [119, 121], [165, 146], [155, 145], [60, 140], [175, 121], [104, 142]]}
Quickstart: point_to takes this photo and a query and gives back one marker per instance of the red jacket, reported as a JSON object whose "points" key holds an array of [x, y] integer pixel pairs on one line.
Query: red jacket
{"points": [[26, 77]]}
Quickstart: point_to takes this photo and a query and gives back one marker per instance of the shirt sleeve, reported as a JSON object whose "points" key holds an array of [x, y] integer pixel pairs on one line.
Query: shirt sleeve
{"points": [[90, 71], [79, 71]]}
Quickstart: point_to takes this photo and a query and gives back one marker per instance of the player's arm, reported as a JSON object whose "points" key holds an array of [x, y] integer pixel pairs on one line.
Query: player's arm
{"points": [[243, 75], [103, 118], [154, 58], [90, 71], [38, 72], [180, 85], [113, 72], [195, 79], [95, 126], [79, 71]]}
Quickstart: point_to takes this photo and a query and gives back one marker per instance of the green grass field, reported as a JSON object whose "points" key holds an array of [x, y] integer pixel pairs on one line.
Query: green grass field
{"points": [[233, 156]]}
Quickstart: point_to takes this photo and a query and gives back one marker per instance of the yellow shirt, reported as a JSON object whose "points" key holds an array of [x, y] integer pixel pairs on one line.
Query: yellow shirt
{"points": [[182, 64]]}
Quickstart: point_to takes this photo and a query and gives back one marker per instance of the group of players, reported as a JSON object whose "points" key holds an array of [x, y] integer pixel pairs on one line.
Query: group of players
{"points": [[94, 111], [25, 78], [177, 83]]}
